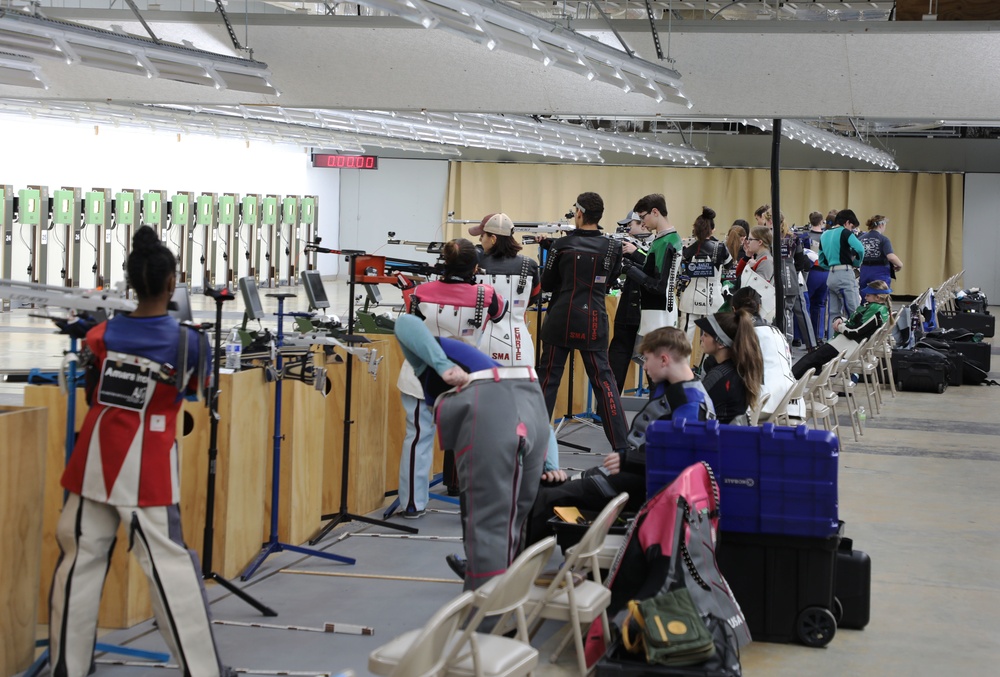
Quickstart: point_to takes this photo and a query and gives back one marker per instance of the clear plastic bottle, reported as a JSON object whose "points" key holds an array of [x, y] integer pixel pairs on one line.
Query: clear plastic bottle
{"points": [[234, 350], [862, 415]]}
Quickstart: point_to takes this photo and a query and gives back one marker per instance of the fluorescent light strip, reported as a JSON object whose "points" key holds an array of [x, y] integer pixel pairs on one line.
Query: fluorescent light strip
{"points": [[500, 27], [132, 54], [159, 118], [828, 141], [512, 133], [412, 126]]}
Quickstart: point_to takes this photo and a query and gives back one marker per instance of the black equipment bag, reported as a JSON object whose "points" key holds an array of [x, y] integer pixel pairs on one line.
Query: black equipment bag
{"points": [[980, 322], [976, 354], [853, 589], [920, 369], [972, 302], [956, 362]]}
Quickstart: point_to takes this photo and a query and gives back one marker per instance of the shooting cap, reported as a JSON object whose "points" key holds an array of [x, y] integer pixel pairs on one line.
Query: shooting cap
{"points": [[632, 216], [710, 326], [498, 224]]}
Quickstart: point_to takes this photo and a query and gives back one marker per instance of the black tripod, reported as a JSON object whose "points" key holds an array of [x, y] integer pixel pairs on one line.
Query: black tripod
{"points": [[343, 515], [570, 416], [220, 296]]}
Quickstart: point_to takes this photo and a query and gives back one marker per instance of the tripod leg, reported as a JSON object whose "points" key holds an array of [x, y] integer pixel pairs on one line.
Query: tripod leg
{"points": [[259, 559], [266, 610]]}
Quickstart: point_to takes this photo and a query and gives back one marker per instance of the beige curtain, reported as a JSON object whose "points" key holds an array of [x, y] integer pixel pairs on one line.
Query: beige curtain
{"points": [[924, 210]]}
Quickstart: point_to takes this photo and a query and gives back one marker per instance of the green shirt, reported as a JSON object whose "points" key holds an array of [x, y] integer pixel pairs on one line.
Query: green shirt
{"points": [[658, 249]]}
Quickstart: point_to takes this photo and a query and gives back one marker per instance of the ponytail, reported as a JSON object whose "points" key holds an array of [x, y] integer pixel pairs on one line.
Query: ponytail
{"points": [[747, 357], [745, 351]]}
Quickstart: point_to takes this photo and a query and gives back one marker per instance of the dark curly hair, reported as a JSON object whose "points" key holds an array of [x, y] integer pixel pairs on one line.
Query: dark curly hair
{"points": [[460, 258], [150, 264]]}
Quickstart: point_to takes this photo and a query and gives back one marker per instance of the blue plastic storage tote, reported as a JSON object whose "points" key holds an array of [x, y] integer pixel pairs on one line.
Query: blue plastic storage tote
{"points": [[772, 479]]}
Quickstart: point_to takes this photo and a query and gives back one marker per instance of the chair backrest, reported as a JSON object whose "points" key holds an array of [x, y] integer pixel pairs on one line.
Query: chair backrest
{"points": [[593, 540], [793, 393], [510, 590], [823, 377], [854, 355], [754, 414], [427, 655]]}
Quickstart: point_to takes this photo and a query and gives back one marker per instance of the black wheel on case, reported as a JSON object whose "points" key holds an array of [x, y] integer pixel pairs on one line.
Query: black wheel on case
{"points": [[899, 385], [816, 626], [940, 388], [838, 610]]}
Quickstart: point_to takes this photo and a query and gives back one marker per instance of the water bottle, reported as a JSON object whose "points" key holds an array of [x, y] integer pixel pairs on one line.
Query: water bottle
{"points": [[234, 350], [862, 415]]}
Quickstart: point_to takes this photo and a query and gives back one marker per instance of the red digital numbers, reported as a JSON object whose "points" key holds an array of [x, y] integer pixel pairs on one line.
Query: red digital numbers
{"points": [[345, 161]]}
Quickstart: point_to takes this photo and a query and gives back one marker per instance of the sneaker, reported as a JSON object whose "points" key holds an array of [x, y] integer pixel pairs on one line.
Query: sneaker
{"points": [[457, 564], [411, 514]]}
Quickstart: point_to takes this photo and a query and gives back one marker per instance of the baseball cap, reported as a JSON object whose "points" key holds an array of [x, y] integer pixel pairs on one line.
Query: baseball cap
{"points": [[632, 216], [498, 224]]}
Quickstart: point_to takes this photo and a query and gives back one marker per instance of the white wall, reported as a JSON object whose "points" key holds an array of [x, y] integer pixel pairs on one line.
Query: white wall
{"points": [[404, 196], [64, 154], [981, 235]]}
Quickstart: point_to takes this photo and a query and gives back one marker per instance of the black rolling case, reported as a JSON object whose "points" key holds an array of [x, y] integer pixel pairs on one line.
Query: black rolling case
{"points": [[976, 354], [784, 584], [853, 590], [920, 369], [979, 322]]}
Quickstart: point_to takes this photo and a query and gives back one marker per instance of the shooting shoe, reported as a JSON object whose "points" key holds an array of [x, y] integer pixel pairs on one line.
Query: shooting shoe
{"points": [[457, 564]]}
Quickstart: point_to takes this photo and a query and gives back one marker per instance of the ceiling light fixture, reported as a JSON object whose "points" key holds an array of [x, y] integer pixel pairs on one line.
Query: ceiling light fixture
{"points": [[32, 36], [828, 141], [196, 121], [504, 28], [22, 71], [512, 133]]}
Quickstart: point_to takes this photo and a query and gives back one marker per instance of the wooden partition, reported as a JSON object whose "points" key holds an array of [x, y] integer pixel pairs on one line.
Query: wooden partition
{"points": [[242, 467], [22, 491], [371, 402], [125, 601]]}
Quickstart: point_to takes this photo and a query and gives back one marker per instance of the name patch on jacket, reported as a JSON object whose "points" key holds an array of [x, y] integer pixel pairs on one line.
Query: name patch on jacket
{"points": [[123, 385]]}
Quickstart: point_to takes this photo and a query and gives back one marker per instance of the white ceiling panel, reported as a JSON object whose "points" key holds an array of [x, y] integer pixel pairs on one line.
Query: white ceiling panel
{"points": [[785, 69]]}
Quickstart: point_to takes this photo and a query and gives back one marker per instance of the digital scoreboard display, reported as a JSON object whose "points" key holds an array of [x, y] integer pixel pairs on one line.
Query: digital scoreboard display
{"points": [[345, 161]]}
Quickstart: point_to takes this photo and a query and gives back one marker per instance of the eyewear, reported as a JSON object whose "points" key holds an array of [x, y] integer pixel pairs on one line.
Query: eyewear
{"points": [[577, 206], [643, 215], [752, 239]]}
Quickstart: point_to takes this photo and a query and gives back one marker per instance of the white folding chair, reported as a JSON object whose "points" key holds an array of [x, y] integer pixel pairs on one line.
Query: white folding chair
{"points": [[795, 392], [572, 597], [753, 414], [474, 654], [865, 365], [820, 401], [841, 382], [424, 652]]}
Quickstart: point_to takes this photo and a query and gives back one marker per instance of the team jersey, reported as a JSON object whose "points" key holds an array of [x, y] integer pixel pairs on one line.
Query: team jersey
{"points": [[126, 452]]}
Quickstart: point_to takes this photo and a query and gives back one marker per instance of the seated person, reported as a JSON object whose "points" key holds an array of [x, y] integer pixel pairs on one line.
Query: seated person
{"points": [[863, 323], [676, 393], [737, 368], [776, 354]]}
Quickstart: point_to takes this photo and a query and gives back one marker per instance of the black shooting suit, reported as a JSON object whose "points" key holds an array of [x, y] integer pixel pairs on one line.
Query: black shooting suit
{"points": [[578, 272]]}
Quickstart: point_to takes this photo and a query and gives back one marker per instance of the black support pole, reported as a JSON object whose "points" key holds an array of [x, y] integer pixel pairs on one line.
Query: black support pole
{"points": [[779, 282]]}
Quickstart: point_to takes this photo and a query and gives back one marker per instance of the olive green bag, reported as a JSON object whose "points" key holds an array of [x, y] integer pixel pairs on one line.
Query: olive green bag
{"points": [[669, 628]]}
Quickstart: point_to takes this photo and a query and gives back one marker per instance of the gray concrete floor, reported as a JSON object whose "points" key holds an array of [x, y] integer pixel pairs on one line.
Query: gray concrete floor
{"points": [[918, 493]]}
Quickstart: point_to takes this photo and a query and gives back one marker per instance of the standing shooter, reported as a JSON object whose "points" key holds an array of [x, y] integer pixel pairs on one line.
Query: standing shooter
{"points": [[579, 269]]}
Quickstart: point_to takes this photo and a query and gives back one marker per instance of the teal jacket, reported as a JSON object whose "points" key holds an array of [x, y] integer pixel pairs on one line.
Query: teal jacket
{"points": [[839, 246]]}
